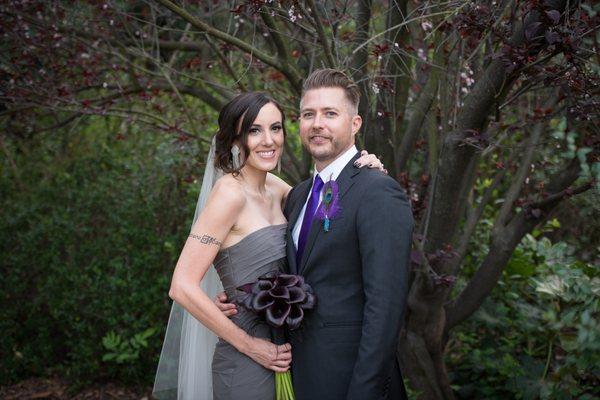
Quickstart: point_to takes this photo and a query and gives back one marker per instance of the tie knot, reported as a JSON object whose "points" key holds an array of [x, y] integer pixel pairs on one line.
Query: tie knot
{"points": [[318, 185]]}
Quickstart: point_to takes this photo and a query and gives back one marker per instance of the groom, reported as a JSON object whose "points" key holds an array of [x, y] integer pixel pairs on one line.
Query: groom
{"points": [[357, 267]]}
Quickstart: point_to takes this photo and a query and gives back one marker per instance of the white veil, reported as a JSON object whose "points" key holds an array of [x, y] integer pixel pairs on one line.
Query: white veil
{"points": [[184, 370]]}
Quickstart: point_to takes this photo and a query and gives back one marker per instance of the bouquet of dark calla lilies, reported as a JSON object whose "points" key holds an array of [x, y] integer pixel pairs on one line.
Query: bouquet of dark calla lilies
{"points": [[281, 299]]}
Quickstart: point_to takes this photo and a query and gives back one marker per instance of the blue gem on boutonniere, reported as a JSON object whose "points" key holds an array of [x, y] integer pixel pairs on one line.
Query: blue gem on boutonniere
{"points": [[330, 205]]}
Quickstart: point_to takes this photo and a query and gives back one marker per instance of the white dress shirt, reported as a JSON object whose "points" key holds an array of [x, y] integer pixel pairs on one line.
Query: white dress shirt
{"points": [[332, 171]]}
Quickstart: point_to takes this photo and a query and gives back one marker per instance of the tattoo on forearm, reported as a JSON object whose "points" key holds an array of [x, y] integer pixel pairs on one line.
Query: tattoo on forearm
{"points": [[205, 239]]}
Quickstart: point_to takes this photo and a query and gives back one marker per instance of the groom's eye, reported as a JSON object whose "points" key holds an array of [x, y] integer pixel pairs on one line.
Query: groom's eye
{"points": [[307, 115], [331, 113]]}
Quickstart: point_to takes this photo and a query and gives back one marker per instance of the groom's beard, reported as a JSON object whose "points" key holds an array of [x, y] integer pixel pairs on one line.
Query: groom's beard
{"points": [[326, 148]]}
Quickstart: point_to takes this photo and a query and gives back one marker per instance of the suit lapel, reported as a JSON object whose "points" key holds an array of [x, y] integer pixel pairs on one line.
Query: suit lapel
{"points": [[344, 182], [300, 198]]}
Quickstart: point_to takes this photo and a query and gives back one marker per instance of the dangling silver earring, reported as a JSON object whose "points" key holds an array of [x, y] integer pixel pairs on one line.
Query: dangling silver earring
{"points": [[235, 157], [279, 166]]}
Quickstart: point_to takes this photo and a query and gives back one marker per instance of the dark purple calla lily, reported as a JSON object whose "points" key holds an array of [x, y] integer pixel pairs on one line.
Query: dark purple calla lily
{"points": [[280, 298], [262, 285], [280, 292], [278, 312], [297, 295], [286, 280], [310, 302], [295, 317], [262, 301]]}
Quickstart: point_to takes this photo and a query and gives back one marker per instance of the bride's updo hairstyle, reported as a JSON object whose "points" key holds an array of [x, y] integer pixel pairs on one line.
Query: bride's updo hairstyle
{"points": [[235, 120]]}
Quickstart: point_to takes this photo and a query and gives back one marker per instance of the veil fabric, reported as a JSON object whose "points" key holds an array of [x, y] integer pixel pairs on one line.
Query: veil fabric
{"points": [[184, 370]]}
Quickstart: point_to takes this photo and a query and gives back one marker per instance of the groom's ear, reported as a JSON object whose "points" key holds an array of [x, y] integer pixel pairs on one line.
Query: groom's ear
{"points": [[356, 124]]}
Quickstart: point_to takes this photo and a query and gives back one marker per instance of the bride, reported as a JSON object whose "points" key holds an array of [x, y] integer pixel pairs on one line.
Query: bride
{"points": [[240, 230]]}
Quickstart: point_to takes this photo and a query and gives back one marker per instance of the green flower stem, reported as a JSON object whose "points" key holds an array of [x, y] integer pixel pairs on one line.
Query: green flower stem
{"points": [[283, 386]]}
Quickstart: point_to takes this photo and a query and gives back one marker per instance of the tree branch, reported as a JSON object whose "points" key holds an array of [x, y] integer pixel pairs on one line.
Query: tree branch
{"points": [[519, 179], [282, 50], [399, 68], [473, 118], [503, 243], [290, 72], [225, 63], [472, 219], [321, 32], [420, 112], [358, 64]]}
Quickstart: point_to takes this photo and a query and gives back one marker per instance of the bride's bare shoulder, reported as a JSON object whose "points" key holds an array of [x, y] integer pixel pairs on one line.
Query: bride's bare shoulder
{"points": [[278, 185], [228, 192]]}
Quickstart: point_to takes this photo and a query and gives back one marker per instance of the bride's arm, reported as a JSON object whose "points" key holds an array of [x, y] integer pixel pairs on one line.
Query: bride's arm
{"points": [[209, 231]]}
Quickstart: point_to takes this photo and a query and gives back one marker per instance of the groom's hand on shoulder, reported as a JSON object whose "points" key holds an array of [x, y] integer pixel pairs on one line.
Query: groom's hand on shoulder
{"points": [[228, 309]]}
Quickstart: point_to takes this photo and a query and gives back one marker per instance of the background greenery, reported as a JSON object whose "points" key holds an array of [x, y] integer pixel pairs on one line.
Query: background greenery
{"points": [[90, 233], [485, 112]]}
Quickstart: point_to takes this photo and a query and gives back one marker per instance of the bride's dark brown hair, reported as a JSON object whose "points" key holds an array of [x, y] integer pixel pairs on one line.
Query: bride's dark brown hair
{"points": [[244, 107]]}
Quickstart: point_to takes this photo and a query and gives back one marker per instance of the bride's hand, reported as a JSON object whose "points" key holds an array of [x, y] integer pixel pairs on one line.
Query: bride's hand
{"points": [[370, 160], [269, 355]]}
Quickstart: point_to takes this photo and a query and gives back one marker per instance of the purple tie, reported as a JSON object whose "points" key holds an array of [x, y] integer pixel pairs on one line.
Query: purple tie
{"points": [[309, 213]]}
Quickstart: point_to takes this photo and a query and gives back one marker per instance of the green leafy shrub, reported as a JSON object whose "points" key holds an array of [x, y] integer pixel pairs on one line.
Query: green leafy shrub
{"points": [[123, 351], [89, 236], [538, 335]]}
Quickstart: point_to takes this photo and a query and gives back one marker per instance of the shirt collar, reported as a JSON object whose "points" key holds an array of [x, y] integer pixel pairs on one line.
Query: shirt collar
{"points": [[333, 170]]}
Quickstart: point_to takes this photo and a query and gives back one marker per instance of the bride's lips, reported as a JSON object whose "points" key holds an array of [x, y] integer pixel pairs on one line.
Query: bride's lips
{"points": [[266, 155]]}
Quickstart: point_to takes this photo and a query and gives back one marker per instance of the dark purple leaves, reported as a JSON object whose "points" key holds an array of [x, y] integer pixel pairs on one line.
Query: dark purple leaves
{"points": [[280, 298], [531, 30], [554, 16], [552, 37], [417, 257]]}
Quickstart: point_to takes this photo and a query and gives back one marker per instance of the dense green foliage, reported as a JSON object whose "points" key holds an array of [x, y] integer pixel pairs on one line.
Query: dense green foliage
{"points": [[91, 228], [538, 335]]}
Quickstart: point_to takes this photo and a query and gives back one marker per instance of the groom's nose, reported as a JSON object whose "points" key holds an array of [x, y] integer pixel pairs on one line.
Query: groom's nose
{"points": [[318, 121]]}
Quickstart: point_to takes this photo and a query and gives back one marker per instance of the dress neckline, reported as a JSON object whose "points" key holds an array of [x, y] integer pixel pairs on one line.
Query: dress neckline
{"points": [[251, 234]]}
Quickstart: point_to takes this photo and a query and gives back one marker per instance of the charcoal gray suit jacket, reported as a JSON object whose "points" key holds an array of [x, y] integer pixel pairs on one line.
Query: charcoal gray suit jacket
{"points": [[346, 348]]}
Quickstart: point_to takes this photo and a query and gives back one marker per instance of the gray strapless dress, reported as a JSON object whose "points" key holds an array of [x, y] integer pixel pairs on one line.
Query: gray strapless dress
{"points": [[235, 375]]}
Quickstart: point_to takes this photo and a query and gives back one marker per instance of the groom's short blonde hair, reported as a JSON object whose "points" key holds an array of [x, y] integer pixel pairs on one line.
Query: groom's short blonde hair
{"points": [[333, 78]]}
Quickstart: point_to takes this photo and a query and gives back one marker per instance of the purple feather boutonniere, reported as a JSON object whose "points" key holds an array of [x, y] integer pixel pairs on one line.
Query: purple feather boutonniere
{"points": [[330, 205]]}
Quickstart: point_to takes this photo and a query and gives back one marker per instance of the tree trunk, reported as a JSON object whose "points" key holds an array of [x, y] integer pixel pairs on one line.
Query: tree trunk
{"points": [[421, 348]]}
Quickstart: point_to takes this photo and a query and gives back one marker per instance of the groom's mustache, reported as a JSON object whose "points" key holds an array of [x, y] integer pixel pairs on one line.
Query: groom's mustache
{"points": [[319, 134]]}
